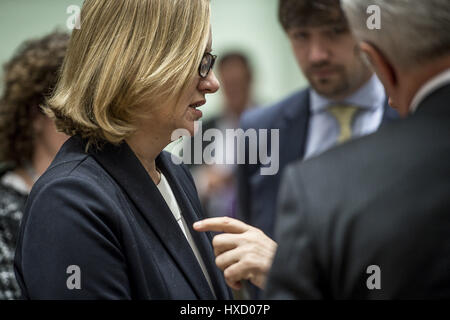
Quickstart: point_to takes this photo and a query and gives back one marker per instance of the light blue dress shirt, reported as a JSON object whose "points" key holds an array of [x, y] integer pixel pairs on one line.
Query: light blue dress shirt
{"points": [[323, 130]]}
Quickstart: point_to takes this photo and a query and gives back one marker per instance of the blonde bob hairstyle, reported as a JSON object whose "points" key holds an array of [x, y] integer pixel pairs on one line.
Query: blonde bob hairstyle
{"points": [[127, 54]]}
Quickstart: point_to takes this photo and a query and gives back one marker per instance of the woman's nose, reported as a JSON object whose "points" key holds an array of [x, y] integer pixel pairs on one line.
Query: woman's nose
{"points": [[210, 84]]}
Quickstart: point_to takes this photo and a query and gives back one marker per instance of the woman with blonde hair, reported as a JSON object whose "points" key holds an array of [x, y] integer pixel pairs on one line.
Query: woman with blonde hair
{"points": [[112, 216]]}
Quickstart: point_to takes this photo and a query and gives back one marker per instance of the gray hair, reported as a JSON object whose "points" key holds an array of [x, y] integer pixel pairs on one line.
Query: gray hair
{"points": [[412, 31]]}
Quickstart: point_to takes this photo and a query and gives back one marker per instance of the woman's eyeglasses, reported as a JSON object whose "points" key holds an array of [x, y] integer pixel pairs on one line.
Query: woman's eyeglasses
{"points": [[207, 64]]}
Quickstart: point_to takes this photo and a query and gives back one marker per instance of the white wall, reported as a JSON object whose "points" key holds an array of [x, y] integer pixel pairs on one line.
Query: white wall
{"points": [[252, 25], [249, 25]]}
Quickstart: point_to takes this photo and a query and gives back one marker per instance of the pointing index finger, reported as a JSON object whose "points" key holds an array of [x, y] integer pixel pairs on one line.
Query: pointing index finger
{"points": [[221, 224]]}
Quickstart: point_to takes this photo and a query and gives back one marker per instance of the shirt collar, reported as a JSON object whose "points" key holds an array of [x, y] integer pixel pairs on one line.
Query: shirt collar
{"points": [[370, 96], [429, 87]]}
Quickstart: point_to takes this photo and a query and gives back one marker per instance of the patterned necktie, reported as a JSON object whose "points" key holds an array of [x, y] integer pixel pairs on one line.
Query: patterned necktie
{"points": [[344, 115]]}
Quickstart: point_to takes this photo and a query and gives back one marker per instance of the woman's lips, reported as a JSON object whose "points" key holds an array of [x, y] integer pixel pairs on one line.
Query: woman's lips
{"points": [[193, 108], [197, 104], [196, 112]]}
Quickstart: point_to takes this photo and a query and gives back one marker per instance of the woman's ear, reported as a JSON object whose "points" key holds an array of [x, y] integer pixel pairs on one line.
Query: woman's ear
{"points": [[382, 67]]}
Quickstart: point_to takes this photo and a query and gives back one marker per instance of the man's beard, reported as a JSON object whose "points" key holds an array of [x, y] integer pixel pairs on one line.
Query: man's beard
{"points": [[337, 85]]}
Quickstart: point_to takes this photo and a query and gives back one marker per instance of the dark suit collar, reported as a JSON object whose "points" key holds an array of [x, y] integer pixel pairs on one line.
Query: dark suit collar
{"points": [[298, 106], [122, 164], [294, 126], [436, 104]]}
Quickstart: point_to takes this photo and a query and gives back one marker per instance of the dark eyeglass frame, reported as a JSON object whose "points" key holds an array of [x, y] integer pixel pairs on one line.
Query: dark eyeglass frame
{"points": [[206, 64]]}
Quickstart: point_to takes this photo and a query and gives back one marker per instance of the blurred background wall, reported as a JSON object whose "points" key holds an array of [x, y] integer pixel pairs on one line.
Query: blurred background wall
{"points": [[247, 25]]}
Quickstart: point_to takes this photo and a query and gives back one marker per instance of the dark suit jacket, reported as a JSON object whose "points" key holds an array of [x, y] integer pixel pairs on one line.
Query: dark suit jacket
{"points": [[101, 211], [380, 200], [257, 194]]}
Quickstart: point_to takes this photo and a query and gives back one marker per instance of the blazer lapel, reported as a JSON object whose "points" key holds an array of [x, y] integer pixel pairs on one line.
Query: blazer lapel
{"points": [[294, 128], [178, 182], [122, 164]]}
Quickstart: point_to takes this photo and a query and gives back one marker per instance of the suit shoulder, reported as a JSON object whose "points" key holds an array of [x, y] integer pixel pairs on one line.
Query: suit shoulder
{"points": [[74, 183], [75, 180], [355, 171], [265, 117], [72, 161], [84, 170], [74, 195]]}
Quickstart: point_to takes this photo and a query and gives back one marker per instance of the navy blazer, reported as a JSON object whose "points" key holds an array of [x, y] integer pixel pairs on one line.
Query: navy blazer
{"points": [[257, 194], [100, 211]]}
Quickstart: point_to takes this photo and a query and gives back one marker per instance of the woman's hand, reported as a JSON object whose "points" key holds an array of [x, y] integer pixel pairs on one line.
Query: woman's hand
{"points": [[242, 252]]}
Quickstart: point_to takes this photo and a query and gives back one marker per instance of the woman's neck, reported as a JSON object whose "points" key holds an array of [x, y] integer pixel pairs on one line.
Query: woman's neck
{"points": [[147, 147], [40, 161], [42, 158]]}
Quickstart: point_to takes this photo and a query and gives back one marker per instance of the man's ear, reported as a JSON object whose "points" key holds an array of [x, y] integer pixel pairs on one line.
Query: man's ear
{"points": [[382, 67]]}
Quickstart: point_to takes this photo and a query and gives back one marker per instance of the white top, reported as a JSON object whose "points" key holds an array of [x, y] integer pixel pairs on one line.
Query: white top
{"points": [[171, 201], [14, 181], [428, 88]]}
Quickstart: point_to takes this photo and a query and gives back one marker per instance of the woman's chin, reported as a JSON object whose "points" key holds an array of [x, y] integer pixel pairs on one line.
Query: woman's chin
{"points": [[192, 125], [192, 128], [188, 127]]}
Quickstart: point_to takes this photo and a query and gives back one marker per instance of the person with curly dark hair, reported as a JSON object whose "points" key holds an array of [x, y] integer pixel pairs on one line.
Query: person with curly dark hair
{"points": [[28, 138]]}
